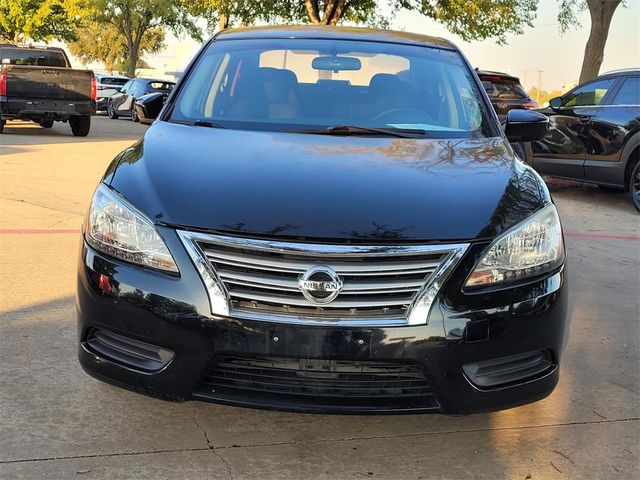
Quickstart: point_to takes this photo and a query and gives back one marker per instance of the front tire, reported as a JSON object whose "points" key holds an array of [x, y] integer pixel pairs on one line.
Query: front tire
{"points": [[634, 185], [134, 115], [2, 122], [111, 112], [80, 125]]}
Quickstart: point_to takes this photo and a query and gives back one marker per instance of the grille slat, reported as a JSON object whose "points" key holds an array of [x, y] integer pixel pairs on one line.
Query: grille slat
{"points": [[301, 301], [285, 262], [291, 283]]}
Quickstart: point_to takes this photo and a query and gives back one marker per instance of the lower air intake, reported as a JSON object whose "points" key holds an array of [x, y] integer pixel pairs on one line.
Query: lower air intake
{"points": [[513, 369], [321, 385], [127, 351]]}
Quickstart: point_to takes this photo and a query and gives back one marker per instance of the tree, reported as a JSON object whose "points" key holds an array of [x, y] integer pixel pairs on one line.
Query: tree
{"points": [[471, 19], [104, 43], [601, 13], [37, 20], [134, 19]]}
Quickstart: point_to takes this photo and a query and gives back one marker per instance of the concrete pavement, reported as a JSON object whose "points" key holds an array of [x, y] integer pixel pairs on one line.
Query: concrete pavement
{"points": [[57, 422]]}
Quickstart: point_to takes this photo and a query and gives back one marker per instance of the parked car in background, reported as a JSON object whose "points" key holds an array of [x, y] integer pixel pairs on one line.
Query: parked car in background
{"points": [[122, 103], [594, 134], [306, 226], [38, 84], [108, 85], [505, 92]]}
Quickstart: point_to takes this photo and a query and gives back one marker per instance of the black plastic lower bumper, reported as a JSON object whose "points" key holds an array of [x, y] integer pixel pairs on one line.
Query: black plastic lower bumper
{"points": [[321, 368]]}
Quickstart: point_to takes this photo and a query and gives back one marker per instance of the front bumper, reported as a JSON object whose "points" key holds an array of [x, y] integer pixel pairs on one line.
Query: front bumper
{"points": [[173, 313]]}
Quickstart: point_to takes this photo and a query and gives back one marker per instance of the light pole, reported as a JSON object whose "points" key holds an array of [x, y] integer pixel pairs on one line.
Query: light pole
{"points": [[540, 72]]}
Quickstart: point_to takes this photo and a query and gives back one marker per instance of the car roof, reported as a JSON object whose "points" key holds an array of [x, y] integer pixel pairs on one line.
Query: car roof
{"points": [[334, 33], [31, 47], [110, 75], [621, 71], [159, 80], [497, 74]]}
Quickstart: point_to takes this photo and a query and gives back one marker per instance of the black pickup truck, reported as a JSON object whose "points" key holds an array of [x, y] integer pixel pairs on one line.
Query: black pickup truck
{"points": [[38, 84]]}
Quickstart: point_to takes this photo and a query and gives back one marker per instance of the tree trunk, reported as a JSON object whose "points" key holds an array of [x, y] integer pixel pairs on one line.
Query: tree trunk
{"points": [[601, 12], [332, 12], [133, 57], [223, 21]]}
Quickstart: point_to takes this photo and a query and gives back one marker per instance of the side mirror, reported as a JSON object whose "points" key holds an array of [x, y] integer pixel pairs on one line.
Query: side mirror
{"points": [[555, 103], [148, 107], [525, 126]]}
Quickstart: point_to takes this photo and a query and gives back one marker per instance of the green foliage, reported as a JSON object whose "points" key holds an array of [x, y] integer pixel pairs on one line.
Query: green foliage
{"points": [[37, 20], [470, 19], [477, 19], [105, 43], [544, 96], [134, 19]]}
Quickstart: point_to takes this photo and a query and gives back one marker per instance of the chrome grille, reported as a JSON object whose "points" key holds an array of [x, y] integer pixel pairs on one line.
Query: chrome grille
{"points": [[381, 284]]}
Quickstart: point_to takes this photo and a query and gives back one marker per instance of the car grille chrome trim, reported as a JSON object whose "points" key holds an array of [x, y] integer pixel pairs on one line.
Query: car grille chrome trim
{"points": [[383, 285]]}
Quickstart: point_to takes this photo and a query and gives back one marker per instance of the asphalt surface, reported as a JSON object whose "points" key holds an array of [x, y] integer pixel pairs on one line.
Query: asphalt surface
{"points": [[57, 422]]}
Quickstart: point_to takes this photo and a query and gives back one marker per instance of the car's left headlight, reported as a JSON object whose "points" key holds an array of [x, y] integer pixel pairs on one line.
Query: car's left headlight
{"points": [[529, 249], [118, 229]]}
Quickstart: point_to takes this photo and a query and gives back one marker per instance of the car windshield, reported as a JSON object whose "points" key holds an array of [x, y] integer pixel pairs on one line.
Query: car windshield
{"points": [[307, 84], [113, 81], [503, 88]]}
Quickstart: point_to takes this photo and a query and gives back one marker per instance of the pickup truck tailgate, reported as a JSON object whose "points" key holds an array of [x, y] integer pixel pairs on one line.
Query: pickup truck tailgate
{"points": [[36, 82]]}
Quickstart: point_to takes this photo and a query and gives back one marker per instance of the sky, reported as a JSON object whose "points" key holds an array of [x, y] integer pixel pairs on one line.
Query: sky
{"points": [[541, 47]]}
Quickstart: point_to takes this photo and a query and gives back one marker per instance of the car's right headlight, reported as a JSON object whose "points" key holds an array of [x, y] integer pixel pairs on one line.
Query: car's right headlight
{"points": [[118, 229], [529, 249]]}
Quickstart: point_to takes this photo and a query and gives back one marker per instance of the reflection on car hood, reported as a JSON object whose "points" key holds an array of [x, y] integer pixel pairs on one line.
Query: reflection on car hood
{"points": [[327, 187]]}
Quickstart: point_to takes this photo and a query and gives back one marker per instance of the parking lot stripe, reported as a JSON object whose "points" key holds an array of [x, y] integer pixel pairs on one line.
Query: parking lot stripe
{"points": [[630, 238], [37, 231]]}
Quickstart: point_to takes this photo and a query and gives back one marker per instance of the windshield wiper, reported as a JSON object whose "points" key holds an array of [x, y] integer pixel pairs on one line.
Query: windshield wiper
{"points": [[206, 123], [356, 130]]}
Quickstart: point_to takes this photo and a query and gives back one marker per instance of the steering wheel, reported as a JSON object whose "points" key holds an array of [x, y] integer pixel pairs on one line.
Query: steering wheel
{"points": [[420, 113]]}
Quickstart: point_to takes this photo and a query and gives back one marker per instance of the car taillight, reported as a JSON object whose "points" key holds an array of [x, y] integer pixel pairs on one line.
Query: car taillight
{"points": [[530, 104], [94, 88], [3, 83]]}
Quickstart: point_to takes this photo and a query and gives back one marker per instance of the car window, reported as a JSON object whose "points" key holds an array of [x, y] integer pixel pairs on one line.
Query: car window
{"points": [[503, 88], [42, 58], [113, 81], [629, 93], [127, 86], [164, 86], [290, 84], [588, 95]]}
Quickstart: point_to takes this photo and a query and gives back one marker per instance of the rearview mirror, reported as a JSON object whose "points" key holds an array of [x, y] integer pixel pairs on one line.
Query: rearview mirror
{"points": [[148, 107], [525, 126], [335, 63], [555, 103]]}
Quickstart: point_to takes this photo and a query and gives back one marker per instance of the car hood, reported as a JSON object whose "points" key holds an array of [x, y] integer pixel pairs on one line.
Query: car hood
{"points": [[326, 187]]}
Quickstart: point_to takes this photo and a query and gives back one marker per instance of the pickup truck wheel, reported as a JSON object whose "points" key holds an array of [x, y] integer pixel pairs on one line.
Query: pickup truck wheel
{"points": [[80, 125], [2, 122], [634, 185], [111, 113], [46, 123]]}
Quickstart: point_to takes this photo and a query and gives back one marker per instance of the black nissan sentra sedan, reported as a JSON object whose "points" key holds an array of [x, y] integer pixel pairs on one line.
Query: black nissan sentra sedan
{"points": [[325, 220]]}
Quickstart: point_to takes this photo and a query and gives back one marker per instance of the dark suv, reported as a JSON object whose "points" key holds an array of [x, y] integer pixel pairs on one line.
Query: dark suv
{"points": [[505, 91], [594, 134], [330, 220], [121, 102]]}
